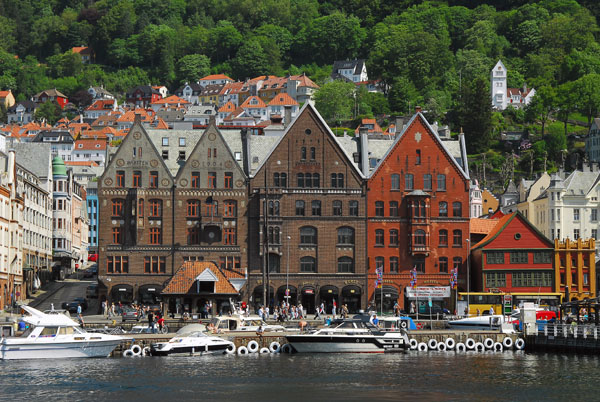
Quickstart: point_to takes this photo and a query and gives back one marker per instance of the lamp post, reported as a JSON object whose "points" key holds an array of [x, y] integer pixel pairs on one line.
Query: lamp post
{"points": [[287, 274], [468, 274]]}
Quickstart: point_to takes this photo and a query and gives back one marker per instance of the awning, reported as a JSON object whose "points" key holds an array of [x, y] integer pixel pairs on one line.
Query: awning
{"points": [[329, 290], [351, 290], [150, 289], [308, 290], [122, 289], [389, 292]]}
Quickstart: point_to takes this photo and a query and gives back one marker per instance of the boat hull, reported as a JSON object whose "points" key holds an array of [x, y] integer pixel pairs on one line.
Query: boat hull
{"points": [[189, 350], [346, 344], [58, 350]]}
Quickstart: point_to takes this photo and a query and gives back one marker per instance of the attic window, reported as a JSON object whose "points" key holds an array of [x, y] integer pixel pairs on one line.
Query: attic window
{"points": [[238, 156], [97, 145], [182, 155], [79, 145], [165, 155]]}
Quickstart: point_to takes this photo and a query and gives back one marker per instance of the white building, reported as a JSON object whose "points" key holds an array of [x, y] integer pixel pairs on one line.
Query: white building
{"points": [[502, 95], [352, 70], [476, 200], [592, 142]]}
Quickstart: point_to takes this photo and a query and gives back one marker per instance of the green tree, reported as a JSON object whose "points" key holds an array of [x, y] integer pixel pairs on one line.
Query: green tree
{"points": [[403, 96], [49, 111], [335, 100], [541, 106], [566, 100], [587, 92], [192, 67], [223, 41], [475, 115], [250, 60]]}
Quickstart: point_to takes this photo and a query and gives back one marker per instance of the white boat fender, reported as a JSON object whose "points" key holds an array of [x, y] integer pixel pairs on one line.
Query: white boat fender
{"points": [[128, 353], [242, 350], [441, 346], [252, 346], [508, 342], [413, 344], [422, 347], [460, 347], [264, 351], [403, 324], [432, 343], [470, 343], [287, 348], [275, 347], [450, 343], [488, 343], [231, 349], [498, 347], [137, 350], [479, 347], [520, 344], [146, 351]]}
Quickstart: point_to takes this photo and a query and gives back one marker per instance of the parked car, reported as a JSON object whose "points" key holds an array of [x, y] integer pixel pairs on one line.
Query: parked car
{"points": [[93, 257], [128, 313], [92, 291], [88, 273], [71, 306]]}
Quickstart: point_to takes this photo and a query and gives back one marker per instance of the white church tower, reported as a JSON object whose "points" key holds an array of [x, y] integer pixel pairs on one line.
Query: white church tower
{"points": [[499, 86]]}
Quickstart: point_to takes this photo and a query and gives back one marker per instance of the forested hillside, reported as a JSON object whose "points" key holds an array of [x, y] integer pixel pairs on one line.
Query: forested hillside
{"points": [[436, 53]]}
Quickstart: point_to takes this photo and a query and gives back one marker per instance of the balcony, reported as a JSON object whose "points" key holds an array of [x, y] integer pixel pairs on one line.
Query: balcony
{"points": [[419, 249]]}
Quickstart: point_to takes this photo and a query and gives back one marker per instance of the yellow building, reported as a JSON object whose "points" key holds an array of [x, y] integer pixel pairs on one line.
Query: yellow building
{"points": [[489, 201], [575, 268]]}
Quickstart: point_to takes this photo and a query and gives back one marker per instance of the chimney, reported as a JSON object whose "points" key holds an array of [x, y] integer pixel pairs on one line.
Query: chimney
{"points": [[399, 125], [418, 109], [288, 115], [363, 133], [137, 119], [246, 150]]}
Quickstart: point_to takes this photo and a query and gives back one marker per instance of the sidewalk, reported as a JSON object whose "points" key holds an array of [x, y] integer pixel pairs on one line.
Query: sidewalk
{"points": [[41, 296]]}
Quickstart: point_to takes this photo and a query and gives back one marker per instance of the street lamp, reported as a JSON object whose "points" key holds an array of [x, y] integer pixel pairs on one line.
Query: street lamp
{"points": [[468, 274], [287, 275]]}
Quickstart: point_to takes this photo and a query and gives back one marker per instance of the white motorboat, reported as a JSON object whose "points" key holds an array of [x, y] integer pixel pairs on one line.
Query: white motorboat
{"points": [[482, 322], [242, 324], [191, 340], [53, 336], [349, 336]]}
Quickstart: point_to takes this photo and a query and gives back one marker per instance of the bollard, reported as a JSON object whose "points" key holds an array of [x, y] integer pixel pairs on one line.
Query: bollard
{"points": [[555, 330], [595, 333], [585, 332], [545, 330]]}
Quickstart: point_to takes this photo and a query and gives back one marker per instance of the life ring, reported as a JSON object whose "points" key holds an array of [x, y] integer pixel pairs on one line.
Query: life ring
{"points": [[470, 343], [450, 343], [520, 344], [264, 351], [403, 324], [498, 347], [422, 347], [275, 347], [432, 344], [413, 344], [488, 343], [128, 353], [508, 342], [242, 350], [441, 346], [419, 325], [146, 351], [287, 348], [137, 350], [231, 349], [252, 346], [460, 347], [479, 347]]}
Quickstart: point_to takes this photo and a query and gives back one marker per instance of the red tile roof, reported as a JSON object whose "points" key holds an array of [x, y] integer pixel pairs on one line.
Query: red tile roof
{"points": [[81, 163], [258, 104], [130, 116], [231, 88], [183, 280], [228, 107], [304, 81], [171, 100], [216, 77], [375, 130], [497, 229], [102, 104], [90, 144], [283, 99], [81, 49], [482, 226], [4, 94]]}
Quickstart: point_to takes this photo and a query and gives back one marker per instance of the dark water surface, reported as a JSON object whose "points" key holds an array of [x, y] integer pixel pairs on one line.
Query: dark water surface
{"points": [[433, 376]]}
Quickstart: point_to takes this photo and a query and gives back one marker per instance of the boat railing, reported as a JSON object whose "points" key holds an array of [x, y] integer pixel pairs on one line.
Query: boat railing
{"points": [[560, 330]]}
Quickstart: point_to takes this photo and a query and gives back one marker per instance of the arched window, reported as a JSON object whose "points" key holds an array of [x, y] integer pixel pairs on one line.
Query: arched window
{"points": [[308, 236], [395, 181], [345, 236], [457, 236], [308, 264], [274, 263], [443, 238], [456, 209], [419, 237], [303, 153], [345, 265], [443, 208], [300, 180]]}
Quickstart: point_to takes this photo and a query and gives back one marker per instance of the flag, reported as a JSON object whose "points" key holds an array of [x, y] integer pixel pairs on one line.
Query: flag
{"points": [[413, 277]]}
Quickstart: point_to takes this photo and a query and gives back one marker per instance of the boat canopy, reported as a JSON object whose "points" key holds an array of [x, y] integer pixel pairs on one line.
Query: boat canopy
{"points": [[40, 319]]}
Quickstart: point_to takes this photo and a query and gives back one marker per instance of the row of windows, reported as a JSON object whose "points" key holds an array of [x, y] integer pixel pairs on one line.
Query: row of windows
{"points": [[211, 180], [419, 209], [315, 205], [519, 279], [442, 264], [419, 238], [409, 182], [308, 264], [308, 180], [193, 208], [519, 257]]}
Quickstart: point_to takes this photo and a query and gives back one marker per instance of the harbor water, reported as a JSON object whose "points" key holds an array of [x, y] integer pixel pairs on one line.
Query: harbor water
{"points": [[429, 376]]}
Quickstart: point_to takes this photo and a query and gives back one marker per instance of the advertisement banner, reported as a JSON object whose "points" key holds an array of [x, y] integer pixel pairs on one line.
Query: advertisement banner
{"points": [[438, 292]]}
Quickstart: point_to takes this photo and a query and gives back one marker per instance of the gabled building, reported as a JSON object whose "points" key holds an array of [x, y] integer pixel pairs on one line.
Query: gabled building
{"points": [[230, 93], [52, 95], [301, 88], [214, 79], [200, 114], [21, 112], [190, 92], [210, 94], [61, 142], [143, 96], [100, 93], [255, 107], [7, 99], [371, 125], [89, 149], [502, 96], [592, 141], [86, 53], [170, 102], [278, 104], [100, 107], [351, 70]]}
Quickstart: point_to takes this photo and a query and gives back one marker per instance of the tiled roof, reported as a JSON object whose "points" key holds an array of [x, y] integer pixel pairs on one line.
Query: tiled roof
{"points": [[283, 99], [228, 107], [81, 163], [231, 88], [172, 100], [259, 103], [51, 92], [497, 229], [216, 77], [130, 116], [304, 81], [90, 144], [375, 130], [102, 104], [80, 49], [183, 280], [4, 94], [483, 226]]}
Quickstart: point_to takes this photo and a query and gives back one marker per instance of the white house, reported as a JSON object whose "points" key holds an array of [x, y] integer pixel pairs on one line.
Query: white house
{"points": [[353, 70], [502, 96], [592, 142]]}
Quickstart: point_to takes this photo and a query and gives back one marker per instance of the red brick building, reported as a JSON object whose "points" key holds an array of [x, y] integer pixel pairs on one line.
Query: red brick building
{"points": [[418, 214]]}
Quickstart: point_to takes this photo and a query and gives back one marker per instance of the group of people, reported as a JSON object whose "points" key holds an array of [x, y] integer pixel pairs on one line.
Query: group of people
{"points": [[155, 321], [282, 312]]}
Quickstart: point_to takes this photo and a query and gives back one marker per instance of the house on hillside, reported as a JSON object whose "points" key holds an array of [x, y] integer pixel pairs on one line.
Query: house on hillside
{"points": [[86, 53], [190, 92], [7, 98], [52, 95], [351, 70], [502, 96], [214, 79], [592, 142], [142, 96], [22, 112], [100, 93]]}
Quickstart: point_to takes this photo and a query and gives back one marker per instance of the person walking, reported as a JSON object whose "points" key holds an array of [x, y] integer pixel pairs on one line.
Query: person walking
{"points": [[300, 311], [151, 321], [104, 308], [334, 308]]}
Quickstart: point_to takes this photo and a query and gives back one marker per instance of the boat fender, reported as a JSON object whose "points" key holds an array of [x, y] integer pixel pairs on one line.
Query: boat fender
{"points": [[414, 344], [403, 324], [479, 347], [520, 344], [460, 347], [275, 347], [137, 350], [470, 343], [450, 343], [252, 346], [264, 351], [498, 347], [432, 343], [441, 346], [287, 348], [230, 349], [508, 342], [242, 350], [488, 343], [422, 347], [128, 353], [146, 351]]}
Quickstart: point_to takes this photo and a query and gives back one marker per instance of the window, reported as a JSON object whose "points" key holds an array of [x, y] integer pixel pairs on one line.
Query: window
{"points": [[155, 236], [456, 209], [300, 208], [379, 208], [181, 155], [337, 208], [393, 238], [117, 207], [393, 264], [300, 180], [154, 265], [419, 209], [155, 208], [542, 257], [195, 179], [394, 208], [181, 141], [337, 180], [345, 236], [379, 238], [280, 179], [518, 257], [153, 179], [212, 179], [120, 182], [316, 180], [313, 153], [456, 263], [379, 263], [117, 264], [494, 257], [165, 141], [419, 264], [576, 215], [230, 236], [594, 233], [418, 157], [575, 234], [274, 235], [193, 235], [495, 279], [427, 182], [594, 214], [308, 236], [443, 238], [212, 207], [117, 235], [353, 208], [193, 208], [308, 264], [140, 210], [457, 238], [228, 180], [395, 181], [137, 178], [441, 182], [408, 179], [534, 279], [419, 237], [443, 264], [230, 210], [303, 153], [165, 154], [316, 207]]}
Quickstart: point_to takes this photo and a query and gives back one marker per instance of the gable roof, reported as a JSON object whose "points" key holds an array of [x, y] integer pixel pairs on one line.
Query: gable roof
{"points": [[183, 280], [304, 81], [259, 103], [171, 100], [503, 223], [482, 226], [282, 99], [228, 107], [356, 65], [216, 77]]}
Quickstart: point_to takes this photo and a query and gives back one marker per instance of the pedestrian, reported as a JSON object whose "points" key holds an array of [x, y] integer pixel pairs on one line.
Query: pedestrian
{"points": [[104, 308], [317, 313], [322, 311], [266, 313], [300, 311], [79, 314], [151, 321], [491, 310], [333, 308], [412, 307], [160, 322], [261, 314]]}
